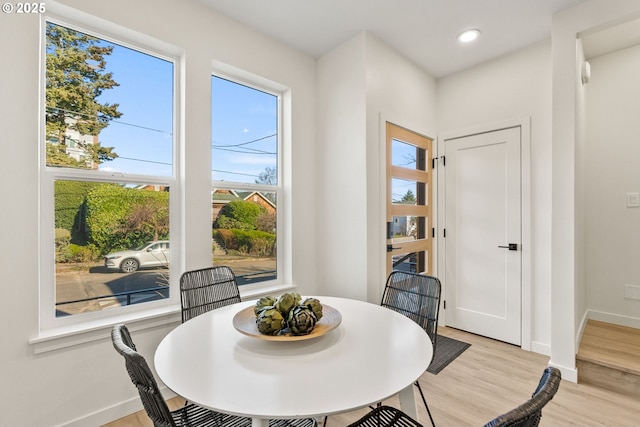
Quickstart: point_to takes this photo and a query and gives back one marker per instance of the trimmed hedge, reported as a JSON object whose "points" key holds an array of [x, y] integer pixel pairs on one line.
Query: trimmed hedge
{"points": [[253, 242]]}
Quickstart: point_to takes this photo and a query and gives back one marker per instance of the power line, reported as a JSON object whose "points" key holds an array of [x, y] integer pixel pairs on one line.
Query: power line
{"points": [[246, 151], [111, 121], [145, 161], [243, 143], [235, 173]]}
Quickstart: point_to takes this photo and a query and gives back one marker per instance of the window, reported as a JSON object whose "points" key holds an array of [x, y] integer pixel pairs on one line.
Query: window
{"points": [[108, 176], [246, 188]]}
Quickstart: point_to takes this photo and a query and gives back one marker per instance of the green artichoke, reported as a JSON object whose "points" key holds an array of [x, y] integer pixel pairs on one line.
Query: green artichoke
{"points": [[287, 301], [314, 305], [270, 321], [301, 320], [262, 303]]}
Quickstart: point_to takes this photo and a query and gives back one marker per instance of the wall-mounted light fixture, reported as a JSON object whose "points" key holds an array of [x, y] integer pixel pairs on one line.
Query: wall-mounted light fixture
{"points": [[586, 72]]}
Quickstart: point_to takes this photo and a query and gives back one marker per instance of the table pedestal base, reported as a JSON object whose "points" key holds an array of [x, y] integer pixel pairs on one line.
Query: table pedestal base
{"points": [[408, 401]]}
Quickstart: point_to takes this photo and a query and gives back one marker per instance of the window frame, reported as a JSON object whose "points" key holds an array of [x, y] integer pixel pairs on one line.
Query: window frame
{"points": [[254, 82], [50, 326]]}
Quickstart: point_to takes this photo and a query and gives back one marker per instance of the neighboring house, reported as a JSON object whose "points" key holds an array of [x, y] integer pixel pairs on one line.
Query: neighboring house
{"points": [[74, 142], [219, 198], [150, 187]]}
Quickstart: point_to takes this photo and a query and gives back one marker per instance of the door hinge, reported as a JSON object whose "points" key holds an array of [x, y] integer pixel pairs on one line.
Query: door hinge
{"points": [[444, 232], [444, 304], [433, 232], [444, 161]]}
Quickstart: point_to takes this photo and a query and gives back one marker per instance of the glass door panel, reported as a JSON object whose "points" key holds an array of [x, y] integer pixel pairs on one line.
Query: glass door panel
{"points": [[409, 217]]}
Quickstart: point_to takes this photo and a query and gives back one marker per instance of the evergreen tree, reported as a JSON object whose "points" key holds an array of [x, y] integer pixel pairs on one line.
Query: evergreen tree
{"points": [[409, 198], [76, 77]]}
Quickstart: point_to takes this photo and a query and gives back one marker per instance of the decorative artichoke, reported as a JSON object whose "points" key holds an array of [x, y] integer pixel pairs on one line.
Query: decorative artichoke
{"points": [[301, 320], [262, 303], [287, 301], [314, 305], [270, 321]]}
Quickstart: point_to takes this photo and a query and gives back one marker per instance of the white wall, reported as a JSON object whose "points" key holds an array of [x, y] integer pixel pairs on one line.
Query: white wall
{"points": [[400, 92], [567, 309], [89, 380], [341, 166], [514, 87], [359, 82], [611, 171]]}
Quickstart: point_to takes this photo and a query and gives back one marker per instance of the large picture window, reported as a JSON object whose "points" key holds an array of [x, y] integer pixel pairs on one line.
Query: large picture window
{"points": [[108, 174], [245, 189]]}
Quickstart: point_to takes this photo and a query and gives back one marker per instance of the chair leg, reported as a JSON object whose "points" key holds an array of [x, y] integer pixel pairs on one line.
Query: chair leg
{"points": [[425, 403]]}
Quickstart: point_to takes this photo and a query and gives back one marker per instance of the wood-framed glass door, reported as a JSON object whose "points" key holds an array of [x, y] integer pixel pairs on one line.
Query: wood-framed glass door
{"points": [[409, 193]]}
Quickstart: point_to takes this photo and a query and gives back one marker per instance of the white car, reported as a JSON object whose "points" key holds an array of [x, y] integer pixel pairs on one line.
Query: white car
{"points": [[151, 254]]}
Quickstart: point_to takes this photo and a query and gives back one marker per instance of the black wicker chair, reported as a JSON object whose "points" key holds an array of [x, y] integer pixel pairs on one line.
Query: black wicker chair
{"points": [[529, 413], [207, 289], [526, 415], [152, 400], [416, 296], [386, 416], [190, 415]]}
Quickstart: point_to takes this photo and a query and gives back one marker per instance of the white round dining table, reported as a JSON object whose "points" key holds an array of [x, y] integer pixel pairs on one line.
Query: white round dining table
{"points": [[374, 353]]}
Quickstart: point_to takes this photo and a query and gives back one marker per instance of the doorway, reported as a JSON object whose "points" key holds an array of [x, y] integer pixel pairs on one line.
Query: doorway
{"points": [[483, 240]]}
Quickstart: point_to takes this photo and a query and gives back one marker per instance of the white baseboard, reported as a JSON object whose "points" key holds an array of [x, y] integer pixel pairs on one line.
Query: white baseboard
{"points": [[541, 348], [583, 324], [568, 373], [114, 412], [616, 319]]}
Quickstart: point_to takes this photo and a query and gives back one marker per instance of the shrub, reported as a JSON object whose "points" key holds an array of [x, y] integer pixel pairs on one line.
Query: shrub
{"points": [[239, 214], [62, 241], [256, 243], [87, 253]]}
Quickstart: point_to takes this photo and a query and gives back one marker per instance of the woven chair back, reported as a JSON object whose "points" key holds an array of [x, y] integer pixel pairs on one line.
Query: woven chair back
{"points": [[206, 289], [416, 296], [529, 413], [142, 378]]}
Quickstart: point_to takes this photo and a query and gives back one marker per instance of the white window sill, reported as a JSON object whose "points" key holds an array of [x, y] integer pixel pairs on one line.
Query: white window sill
{"points": [[248, 293], [69, 336]]}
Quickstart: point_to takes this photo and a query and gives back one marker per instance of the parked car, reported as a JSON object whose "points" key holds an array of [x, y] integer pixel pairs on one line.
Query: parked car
{"points": [[151, 254]]}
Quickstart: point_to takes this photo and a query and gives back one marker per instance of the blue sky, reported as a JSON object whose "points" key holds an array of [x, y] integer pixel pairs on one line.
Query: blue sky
{"points": [[244, 128], [243, 120], [142, 136]]}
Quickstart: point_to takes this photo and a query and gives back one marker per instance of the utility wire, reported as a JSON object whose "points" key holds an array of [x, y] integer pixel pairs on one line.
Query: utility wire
{"points": [[110, 121], [244, 143]]}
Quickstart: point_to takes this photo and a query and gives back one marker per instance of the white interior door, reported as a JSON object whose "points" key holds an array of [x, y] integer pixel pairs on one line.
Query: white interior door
{"points": [[483, 223]]}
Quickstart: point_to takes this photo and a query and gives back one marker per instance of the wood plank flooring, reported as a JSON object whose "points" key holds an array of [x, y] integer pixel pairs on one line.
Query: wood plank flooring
{"points": [[609, 358], [611, 345], [490, 378]]}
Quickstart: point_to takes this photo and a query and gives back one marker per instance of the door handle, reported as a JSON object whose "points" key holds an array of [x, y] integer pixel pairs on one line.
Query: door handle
{"points": [[511, 247], [390, 248]]}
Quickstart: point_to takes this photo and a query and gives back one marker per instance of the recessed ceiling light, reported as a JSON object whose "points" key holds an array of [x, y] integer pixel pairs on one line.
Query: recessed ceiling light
{"points": [[468, 36]]}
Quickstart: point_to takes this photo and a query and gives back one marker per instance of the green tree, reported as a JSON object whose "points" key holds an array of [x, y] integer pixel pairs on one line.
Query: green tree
{"points": [[76, 77], [409, 198], [239, 214]]}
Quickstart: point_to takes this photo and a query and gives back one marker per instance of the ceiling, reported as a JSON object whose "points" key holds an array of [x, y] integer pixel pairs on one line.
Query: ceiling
{"points": [[422, 30]]}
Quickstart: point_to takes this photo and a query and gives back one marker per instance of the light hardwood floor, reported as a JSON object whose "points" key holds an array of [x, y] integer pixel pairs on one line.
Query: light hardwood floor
{"points": [[609, 358], [490, 378]]}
